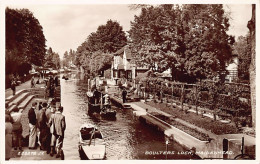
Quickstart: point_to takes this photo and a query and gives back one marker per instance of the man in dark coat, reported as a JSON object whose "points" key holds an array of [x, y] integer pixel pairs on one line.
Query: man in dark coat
{"points": [[59, 123], [124, 93], [56, 80], [96, 96], [42, 125], [32, 126]]}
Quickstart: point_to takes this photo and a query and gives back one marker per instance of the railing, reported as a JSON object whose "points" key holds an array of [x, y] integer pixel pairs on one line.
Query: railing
{"points": [[231, 100]]}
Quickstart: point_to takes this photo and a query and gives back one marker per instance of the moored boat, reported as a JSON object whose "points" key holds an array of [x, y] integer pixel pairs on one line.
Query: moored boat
{"points": [[108, 113], [91, 143], [93, 105], [98, 104]]}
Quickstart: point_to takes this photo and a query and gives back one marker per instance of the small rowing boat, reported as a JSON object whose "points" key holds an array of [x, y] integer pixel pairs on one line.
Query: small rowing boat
{"points": [[91, 143]]}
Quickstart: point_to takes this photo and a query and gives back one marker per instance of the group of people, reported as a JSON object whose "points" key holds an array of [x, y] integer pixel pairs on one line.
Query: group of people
{"points": [[46, 129], [106, 98], [97, 98], [50, 85], [48, 125]]}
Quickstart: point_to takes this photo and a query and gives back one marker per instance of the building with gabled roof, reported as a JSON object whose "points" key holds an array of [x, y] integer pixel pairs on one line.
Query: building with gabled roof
{"points": [[123, 65], [232, 69]]}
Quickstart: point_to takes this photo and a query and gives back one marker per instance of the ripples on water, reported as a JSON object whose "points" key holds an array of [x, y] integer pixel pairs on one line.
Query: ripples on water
{"points": [[125, 137]]}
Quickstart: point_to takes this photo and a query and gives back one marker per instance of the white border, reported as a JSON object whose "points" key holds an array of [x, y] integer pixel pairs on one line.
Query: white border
{"points": [[4, 3]]}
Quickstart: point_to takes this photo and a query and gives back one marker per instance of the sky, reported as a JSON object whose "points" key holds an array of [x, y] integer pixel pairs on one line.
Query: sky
{"points": [[67, 26]]}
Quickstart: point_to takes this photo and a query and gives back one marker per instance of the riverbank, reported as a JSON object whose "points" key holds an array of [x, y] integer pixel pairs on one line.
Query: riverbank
{"points": [[186, 133]]}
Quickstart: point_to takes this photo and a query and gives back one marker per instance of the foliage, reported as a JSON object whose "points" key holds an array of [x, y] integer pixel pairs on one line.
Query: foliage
{"points": [[95, 54], [207, 43], [69, 58], [154, 36], [52, 59], [228, 98], [242, 48], [191, 40], [107, 73], [25, 41], [108, 38]]}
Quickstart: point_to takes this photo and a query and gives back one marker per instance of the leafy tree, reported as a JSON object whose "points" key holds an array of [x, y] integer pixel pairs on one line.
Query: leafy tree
{"points": [[25, 41], [207, 45], [242, 48], [94, 55], [52, 59], [108, 38], [66, 59], [154, 37], [189, 39]]}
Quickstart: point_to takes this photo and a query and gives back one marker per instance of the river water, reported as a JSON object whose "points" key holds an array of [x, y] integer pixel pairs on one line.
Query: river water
{"points": [[126, 137]]}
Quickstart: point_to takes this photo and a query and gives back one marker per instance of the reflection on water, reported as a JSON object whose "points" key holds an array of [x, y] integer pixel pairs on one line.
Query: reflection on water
{"points": [[126, 137]]}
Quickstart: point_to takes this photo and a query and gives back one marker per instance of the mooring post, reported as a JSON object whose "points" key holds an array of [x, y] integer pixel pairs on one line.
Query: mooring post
{"points": [[225, 148]]}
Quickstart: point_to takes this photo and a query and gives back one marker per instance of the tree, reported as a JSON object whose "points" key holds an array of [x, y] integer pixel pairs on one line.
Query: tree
{"points": [[66, 59], [207, 44], [25, 41], [242, 48], [189, 39], [95, 54], [108, 38], [155, 37], [52, 59]]}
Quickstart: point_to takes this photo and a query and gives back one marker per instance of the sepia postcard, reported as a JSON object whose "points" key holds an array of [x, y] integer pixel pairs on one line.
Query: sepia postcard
{"points": [[133, 81]]}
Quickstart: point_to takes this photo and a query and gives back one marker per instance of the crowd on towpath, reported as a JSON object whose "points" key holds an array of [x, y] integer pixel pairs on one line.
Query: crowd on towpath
{"points": [[46, 123]]}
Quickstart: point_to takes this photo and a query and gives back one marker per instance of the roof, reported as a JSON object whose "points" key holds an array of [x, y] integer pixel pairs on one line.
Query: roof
{"points": [[122, 50], [128, 52]]}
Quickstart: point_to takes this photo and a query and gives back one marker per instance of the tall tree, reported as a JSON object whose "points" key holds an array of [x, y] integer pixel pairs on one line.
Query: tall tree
{"points": [[52, 59], [66, 59], [155, 37], [242, 48], [189, 39], [95, 54], [25, 41], [108, 38], [207, 44]]}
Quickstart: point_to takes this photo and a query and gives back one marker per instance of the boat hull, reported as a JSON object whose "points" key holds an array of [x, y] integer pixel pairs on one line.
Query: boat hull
{"points": [[108, 114], [91, 143], [93, 152], [94, 108]]}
